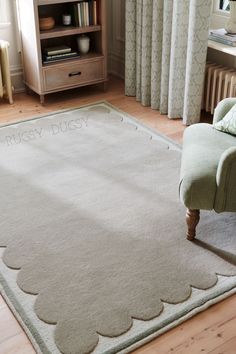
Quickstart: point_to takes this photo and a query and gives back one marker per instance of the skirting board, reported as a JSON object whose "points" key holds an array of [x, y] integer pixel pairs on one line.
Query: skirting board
{"points": [[17, 78]]}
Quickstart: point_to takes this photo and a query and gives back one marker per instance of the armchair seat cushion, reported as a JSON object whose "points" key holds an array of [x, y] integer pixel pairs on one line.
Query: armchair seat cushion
{"points": [[202, 150]]}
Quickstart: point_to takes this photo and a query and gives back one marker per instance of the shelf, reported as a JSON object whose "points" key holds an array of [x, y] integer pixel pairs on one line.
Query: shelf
{"points": [[83, 58], [61, 31], [62, 74], [227, 49]]}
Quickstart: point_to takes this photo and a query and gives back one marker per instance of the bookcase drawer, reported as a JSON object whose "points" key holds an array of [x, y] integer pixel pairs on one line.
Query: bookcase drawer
{"points": [[73, 74]]}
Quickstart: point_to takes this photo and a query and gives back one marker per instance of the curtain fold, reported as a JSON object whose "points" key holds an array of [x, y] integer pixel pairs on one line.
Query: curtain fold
{"points": [[166, 51], [166, 46]]}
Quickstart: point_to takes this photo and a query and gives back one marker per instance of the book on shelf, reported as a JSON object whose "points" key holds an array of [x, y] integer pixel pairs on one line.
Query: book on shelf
{"points": [[87, 14], [95, 22], [79, 14], [61, 49], [90, 12], [62, 55], [75, 15], [222, 40], [84, 13], [59, 57], [223, 34]]}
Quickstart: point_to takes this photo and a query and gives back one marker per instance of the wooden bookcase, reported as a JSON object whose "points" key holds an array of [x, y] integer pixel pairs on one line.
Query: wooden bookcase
{"points": [[62, 75]]}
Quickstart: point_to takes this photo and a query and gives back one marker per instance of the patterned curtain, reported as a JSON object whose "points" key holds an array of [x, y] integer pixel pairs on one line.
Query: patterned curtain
{"points": [[166, 46]]}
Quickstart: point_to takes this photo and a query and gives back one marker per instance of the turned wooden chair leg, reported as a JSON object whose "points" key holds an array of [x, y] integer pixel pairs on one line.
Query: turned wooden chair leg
{"points": [[192, 219]]}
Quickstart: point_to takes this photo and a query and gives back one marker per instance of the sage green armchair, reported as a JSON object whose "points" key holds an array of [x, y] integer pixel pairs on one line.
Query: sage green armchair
{"points": [[208, 169]]}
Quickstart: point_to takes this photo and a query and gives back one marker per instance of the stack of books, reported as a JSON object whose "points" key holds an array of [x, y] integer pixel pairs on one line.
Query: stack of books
{"points": [[222, 36], [62, 52], [85, 13]]}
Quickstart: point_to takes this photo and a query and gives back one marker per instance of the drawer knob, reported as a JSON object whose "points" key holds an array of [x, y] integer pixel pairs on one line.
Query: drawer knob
{"points": [[75, 73]]}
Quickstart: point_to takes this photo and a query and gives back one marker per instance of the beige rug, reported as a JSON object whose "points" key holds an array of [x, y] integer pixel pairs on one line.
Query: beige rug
{"points": [[96, 258]]}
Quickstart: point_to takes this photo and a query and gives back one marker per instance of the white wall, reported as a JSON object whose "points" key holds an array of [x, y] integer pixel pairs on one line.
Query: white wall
{"points": [[8, 32]]}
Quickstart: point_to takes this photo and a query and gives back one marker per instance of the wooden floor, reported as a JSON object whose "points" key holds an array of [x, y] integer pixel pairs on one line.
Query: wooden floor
{"points": [[212, 331]]}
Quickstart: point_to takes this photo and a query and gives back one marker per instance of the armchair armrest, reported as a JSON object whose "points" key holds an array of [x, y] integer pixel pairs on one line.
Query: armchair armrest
{"points": [[226, 182], [223, 108]]}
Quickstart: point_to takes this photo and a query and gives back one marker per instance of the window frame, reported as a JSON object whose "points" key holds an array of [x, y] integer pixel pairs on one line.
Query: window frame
{"points": [[218, 11]]}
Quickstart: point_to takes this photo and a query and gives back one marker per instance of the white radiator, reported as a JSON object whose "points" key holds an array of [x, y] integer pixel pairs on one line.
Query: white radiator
{"points": [[220, 83], [5, 78]]}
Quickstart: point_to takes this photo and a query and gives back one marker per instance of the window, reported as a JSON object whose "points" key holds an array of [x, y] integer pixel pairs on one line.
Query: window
{"points": [[224, 5]]}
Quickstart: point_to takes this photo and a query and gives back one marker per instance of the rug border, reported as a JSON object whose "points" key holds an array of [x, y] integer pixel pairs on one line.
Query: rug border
{"points": [[10, 300], [35, 338], [163, 136], [42, 116], [189, 315]]}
